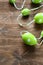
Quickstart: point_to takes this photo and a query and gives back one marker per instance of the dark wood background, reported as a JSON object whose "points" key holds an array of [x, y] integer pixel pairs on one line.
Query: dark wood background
{"points": [[12, 49]]}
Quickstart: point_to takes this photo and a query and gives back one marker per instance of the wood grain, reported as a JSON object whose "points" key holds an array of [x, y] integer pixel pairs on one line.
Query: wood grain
{"points": [[12, 49]]}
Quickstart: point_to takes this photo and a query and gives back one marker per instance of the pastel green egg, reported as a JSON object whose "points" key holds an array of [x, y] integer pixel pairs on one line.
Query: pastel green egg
{"points": [[38, 18], [42, 34], [25, 12], [29, 39], [12, 1], [36, 1]]}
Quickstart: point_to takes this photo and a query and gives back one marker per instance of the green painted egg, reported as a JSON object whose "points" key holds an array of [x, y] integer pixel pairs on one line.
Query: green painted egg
{"points": [[36, 1], [38, 18], [29, 39], [42, 34], [25, 12], [12, 1]]}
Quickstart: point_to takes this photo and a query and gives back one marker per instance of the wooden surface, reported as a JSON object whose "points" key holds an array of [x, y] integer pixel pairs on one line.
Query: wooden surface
{"points": [[12, 49]]}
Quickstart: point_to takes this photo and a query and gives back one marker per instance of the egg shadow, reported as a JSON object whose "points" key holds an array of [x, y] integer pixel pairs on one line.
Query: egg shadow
{"points": [[38, 26], [25, 17], [29, 50], [34, 5]]}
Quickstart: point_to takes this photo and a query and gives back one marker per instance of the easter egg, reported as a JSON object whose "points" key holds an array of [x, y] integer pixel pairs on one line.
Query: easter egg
{"points": [[29, 39], [38, 18], [12, 1], [25, 12], [36, 1], [42, 34]]}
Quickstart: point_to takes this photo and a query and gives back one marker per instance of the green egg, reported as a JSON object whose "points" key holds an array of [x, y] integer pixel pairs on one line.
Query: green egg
{"points": [[25, 12], [42, 34], [29, 39], [12, 1], [36, 1], [38, 18]]}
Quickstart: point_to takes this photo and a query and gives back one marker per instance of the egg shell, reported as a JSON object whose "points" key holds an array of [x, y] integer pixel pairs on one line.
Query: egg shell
{"points": [[38, 18], [12, 1], [29, 39], [42, 34], [36, 1], [25, 12]]}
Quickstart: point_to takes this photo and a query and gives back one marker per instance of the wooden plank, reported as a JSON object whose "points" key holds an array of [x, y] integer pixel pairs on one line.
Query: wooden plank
{"points": [[12, 49]]}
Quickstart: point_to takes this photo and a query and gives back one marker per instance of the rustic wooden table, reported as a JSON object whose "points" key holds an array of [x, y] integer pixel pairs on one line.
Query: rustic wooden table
{"points": [[12, 49]]}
